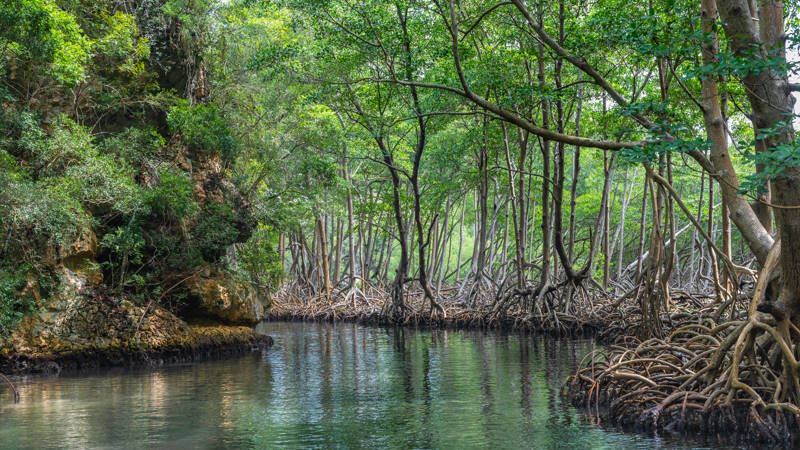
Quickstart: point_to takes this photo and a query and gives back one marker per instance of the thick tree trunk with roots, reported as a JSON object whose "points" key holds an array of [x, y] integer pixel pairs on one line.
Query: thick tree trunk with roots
{"points": [[742, 373]]}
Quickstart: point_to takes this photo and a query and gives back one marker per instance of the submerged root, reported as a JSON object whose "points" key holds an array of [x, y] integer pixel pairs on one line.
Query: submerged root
{"points": [[11, 386]]}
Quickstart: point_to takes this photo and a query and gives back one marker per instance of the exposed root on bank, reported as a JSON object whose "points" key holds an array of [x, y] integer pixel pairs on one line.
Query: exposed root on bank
{"points": [[706, 375], [557, 308], [561, 307]]}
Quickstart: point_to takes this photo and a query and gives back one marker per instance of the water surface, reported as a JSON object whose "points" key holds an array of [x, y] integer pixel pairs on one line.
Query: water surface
{"points": [[322, 386]]}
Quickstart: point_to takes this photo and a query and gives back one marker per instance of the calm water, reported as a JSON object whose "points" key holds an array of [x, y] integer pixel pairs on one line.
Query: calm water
{"points": [[320, 386]]}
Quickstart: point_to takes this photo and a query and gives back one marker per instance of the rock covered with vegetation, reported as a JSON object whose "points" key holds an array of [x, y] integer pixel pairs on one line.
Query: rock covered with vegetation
{"points": [[123, 182]]}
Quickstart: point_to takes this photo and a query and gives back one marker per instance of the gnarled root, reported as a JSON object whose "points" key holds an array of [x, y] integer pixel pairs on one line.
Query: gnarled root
{"points": [[705, 375]]}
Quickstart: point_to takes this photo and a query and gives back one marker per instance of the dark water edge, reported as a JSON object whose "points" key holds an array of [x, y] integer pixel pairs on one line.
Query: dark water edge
{"points": [[330, 386], [93, 361]]}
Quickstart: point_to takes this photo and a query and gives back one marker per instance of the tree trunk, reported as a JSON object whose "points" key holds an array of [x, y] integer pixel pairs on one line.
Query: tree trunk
{"points": [[519, 232], [545, 148], [350, 223], [323, 248], [771, 103], [741, 25], [606, 224]]}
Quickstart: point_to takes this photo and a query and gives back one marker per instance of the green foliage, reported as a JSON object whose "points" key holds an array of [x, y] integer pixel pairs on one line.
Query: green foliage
{"points": [[124, 241], [72, 164], [68, 144], [89, 134], [120, 46], [257, 260], [125, 245], [172, 198], [38, 213], [774, 163], [39, 32], [14, 305], [215, 231], [203, 128], [135, 146]]}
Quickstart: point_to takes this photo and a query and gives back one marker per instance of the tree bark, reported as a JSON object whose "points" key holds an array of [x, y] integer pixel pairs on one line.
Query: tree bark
{"points": [[754, 233]]}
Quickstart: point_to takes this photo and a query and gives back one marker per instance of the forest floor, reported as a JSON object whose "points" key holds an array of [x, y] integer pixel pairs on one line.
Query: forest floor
{"points": [[690, 379]]}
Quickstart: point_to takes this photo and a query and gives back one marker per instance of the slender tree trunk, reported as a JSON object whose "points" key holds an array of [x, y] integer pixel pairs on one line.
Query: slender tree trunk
{"points": [[619, 237], [338, 259], [519, 232], [606, 225], [504, 256], [695, 245], [642, 222], [323, 248], [443, 263], [546, 176], [483, 204], [460, 239], [522, 138], [350, 222], [576, 169], [713, 267]]}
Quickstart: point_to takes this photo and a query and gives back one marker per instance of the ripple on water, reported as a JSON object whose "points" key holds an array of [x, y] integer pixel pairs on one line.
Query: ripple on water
{"points": [[322, 386]]}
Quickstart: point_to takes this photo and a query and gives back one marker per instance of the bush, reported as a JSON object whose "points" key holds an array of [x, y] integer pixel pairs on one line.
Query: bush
{"points": [[215, 231], [203, 128], [135, 146], [125, 246], [51, 154], [257, 262], [40, 32], [121, 46], [37, 213], [172, 198], [13, 306]]}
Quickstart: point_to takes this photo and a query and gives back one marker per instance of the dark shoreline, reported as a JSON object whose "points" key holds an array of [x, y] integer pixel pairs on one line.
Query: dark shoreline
{"points": [[201, 348], [478, 323]]}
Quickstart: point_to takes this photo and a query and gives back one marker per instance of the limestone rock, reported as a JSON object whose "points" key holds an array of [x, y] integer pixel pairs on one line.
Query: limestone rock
{"points": [[218, 297]]}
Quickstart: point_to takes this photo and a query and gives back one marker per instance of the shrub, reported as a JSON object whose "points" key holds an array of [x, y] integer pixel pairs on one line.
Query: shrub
{"points": [[172, 198], [257, 261], [40, 32], [125, 246], [135, 146], [37, 213], [13, 305], [203, 128], [215, 231]]}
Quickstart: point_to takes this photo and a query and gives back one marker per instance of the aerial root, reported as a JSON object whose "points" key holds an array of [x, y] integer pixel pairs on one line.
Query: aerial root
{"points": [[706, 375], [559, 308]]}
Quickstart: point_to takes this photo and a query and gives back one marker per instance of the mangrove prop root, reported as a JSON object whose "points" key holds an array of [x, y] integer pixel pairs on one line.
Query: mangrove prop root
{"points": [[706, 375], [476, 305]]}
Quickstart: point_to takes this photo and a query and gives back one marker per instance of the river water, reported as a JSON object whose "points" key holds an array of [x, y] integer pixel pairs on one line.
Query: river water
{"points": [[322, 386]]}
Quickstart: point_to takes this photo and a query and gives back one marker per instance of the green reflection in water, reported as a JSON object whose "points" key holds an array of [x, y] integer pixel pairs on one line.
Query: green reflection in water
{"points": [[323, 386]]}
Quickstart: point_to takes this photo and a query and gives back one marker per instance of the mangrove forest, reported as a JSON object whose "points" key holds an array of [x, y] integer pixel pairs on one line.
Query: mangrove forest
{"points": [[399, 223]]}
